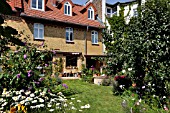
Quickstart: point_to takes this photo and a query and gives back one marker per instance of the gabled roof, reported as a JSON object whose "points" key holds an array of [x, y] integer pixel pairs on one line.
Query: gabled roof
{"points": [[88, 5], [64, 1], [120, 3], [54, 13]]}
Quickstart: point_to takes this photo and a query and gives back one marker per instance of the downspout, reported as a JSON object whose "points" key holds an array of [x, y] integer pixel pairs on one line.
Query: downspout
{"points": [[85, 37], [103, 20], [85, 44]]}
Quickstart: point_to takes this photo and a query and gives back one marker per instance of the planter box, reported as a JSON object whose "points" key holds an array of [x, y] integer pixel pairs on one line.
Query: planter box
{"points": [[99, 79]]}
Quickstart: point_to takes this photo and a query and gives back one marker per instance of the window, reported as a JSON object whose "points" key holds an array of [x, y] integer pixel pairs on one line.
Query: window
{"points": [[37, 4], [69, 34], [67, 9], [71, 61], [90, 13], [94, 35], [114, 13], [135, 12], [109, 12], [38, 31]]}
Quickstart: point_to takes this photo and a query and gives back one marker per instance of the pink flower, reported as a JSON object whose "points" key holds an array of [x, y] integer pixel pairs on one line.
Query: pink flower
{"points": [[41, 79], [18, 76], [46, 65], [165, 108], [25, 56], [29, 73], [42, 43]]}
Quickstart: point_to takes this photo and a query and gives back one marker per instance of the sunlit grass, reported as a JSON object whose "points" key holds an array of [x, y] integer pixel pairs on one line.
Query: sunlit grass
{"points": [[100, 98]]}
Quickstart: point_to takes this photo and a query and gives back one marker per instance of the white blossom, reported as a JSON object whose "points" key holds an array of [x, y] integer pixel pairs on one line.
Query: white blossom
{"points": [[34, 101], [51, 110], [22, 102], [149, 84], [123, 71], [42, 105], [41, 100], [28, 92], [57, 104], [15, 98], [32, 107], [4, 104], [29, 99], [27, 103], [87, 106], [78, 100], [73, 108], [164, 96], [82, 107], [49, 105], [65, 105], [129, 69], [143, 87], [32, 95]]}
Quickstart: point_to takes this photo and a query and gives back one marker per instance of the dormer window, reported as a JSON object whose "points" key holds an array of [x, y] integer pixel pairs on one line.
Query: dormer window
{"points": [[67, 9], [37, 4], [91, 13]]}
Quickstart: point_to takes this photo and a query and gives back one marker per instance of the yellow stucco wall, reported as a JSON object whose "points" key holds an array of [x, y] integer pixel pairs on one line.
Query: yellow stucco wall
{"points": [[54, 37]]}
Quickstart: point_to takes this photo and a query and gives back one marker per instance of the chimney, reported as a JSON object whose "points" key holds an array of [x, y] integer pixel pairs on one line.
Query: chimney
{"points": [[100, 5]]}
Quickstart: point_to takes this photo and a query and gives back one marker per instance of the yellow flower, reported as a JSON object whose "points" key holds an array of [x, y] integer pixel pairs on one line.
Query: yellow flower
{"points": [[5, 89], [19, 107], [12, 110], [22, 108]]}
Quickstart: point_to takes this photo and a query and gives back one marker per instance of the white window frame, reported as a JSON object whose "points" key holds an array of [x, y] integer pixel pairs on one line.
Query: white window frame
{"points": [[91, 10], [94, 34], [37, 5], [110, 12], [66, 11], [39, 27], [135, 12], [69, 30]]}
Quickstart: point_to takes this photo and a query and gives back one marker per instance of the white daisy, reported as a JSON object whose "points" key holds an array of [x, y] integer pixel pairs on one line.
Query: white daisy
{"points": [[51, 110]]}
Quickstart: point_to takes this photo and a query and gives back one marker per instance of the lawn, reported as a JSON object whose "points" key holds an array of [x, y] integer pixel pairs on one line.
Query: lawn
{"points": [[100, 98]]}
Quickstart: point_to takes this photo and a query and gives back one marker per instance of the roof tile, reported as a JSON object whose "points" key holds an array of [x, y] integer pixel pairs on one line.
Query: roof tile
{"points": [[56, 14]]}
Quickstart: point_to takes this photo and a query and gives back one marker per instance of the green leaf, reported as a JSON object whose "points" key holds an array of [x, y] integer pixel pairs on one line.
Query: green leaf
{"points": [[5, 7]]}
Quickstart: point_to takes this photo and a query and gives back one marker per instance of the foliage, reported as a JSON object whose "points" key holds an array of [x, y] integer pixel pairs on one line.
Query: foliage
{"points": [[22, 68], [58, 67], [107, 82], [87, 74], [120, 84], [142, 45], [8, 35], [37, 101]]}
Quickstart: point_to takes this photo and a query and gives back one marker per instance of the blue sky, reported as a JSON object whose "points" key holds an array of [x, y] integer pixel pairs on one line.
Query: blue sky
{"points": [[81, 2]]}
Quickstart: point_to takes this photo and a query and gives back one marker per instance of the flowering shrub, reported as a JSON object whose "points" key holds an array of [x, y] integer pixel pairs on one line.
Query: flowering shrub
{"points": [[134, 104], [37, 101], [22, 68], [121, 83]]}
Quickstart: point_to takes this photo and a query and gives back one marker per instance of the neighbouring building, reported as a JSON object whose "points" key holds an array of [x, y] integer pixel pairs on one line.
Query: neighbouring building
{"points": [[73, 30], [130, 10]]}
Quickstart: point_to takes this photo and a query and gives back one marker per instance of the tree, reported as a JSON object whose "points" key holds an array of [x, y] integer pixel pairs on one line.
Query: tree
{"points": [[7, 33], [143, 45]]}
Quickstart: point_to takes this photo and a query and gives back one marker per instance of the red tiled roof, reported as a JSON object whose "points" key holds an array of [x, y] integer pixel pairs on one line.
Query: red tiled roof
{"points": [[56, 14]]}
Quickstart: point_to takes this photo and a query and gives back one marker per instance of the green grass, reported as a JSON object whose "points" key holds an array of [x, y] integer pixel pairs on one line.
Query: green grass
{"points": [[100, 98]]}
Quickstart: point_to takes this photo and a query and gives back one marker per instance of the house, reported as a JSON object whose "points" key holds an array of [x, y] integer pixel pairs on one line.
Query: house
{"points": [[130, 9], [72, 30]]}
